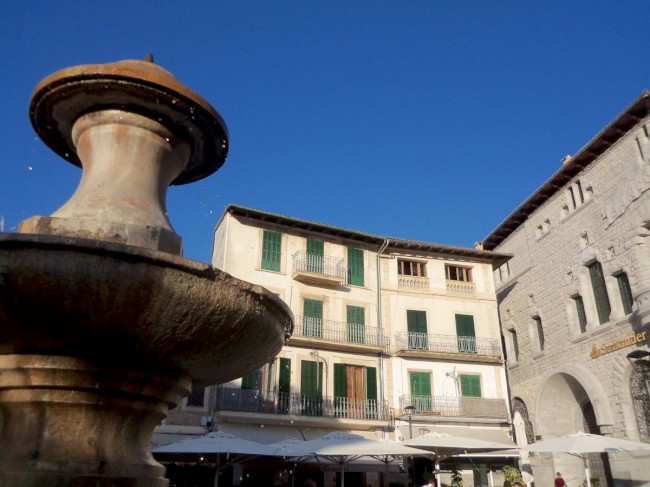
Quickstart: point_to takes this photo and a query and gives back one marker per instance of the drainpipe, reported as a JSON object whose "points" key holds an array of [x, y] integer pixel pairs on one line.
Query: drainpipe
{"points": [[382, 397]]}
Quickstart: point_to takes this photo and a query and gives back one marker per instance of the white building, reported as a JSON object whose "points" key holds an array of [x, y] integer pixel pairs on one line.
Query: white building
{"points": [[381, 324], [574, 302]]}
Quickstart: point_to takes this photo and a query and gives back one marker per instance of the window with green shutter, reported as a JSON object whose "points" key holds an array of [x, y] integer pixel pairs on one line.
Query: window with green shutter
{"points": [[420, 390], [284, 386], [540, 332], [465, 334], [315, 254], [271, 250], [312, 320], [416, 322], [356, 270], [311, 387], [249, 381], [626, 292], [365, 403], [356, 324], [470, 385], [600, 292], [196, 397]]}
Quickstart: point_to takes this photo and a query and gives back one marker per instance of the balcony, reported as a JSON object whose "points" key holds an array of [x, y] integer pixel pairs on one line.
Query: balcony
{"points": [[338, 335], [448, 346], [461, 288], [468, 407], [413, 283], [318, 269], [254, 401]]}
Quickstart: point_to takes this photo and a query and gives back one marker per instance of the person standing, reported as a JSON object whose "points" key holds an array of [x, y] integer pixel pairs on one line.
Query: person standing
{"points": [[559, 481]]}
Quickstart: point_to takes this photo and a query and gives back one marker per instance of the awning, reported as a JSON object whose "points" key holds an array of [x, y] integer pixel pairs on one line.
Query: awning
{"points": [[485, 434]]}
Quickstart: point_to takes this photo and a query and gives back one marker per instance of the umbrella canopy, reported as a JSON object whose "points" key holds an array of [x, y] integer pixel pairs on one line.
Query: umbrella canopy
{"points": [[585, 443], [444, 444], [581, 442], [343, 448], [213, 443]]}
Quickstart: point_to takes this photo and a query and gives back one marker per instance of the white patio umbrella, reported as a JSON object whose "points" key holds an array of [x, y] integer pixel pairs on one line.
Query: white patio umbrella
{"points": [[446, 445], [343, 448], [578, 443], [212, 445]]}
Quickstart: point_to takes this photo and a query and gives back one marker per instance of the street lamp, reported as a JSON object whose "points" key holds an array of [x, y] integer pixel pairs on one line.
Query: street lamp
{"points": [[409, 412]]}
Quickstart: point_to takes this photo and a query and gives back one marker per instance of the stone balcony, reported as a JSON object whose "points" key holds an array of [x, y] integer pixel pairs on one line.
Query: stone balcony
{"points": [[319, 269], [337, 335], [453, 347], [450, 406]]}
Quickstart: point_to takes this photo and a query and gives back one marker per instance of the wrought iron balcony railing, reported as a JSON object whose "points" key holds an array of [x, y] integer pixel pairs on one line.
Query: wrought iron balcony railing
{"points": [[331, 268], [447, 344], [255, 401], [471, 407], [340, 332]]}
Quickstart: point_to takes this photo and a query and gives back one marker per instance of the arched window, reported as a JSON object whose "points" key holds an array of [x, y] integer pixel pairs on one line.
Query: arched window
{"points": [[640, 391], [519, 406]]}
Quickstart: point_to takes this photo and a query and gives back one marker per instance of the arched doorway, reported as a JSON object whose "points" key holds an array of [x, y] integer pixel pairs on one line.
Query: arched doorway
{"points": [[564, 407]]}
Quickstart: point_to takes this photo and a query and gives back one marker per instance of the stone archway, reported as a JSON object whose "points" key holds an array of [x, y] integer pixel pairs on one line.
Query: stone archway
{"points": [[569, 401]]}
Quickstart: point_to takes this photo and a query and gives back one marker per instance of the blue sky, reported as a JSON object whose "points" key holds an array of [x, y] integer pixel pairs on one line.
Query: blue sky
{"points": [[428, 120]]}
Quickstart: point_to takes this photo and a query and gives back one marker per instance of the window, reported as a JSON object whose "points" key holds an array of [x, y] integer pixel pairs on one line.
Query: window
{"points": [[417, 330], [355, 267], [626, 292], [355, 391], [573, 198], [252, 380], [312, 320], [580, 310], [420, 390], [470, 385], [356, 324], [271, 250], [540, 332], [411, 268], [456, 273], [315, 254], [600, 292], [465, 334], [311, 387], [196, 397], [515, 345], [284, 386], [581, 195]]}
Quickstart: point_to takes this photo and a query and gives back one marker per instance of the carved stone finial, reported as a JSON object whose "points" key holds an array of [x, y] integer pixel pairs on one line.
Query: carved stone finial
{"points": [[149, 57]]}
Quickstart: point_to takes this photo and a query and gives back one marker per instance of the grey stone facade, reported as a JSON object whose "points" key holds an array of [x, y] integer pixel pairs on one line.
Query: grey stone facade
{"points": [[593, 214]]}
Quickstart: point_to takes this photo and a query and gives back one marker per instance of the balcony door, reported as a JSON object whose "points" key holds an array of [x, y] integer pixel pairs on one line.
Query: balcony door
{"points": [[355, 391], [466, 334], [421, 391], [311, 387], [417, 330], [312, 320], [315, 255], [356, 324]]}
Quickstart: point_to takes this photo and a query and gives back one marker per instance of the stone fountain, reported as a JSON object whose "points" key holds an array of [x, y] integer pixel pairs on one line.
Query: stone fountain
{"points": [[104, 326]]}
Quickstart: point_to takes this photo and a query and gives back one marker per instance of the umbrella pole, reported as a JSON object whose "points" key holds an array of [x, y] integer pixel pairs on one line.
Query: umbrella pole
{"points": [[216, 473], [587, 473], [437, 464]]}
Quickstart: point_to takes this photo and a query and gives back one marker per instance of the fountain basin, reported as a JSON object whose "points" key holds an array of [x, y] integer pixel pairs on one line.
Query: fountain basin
{"points": [[97, 300]]}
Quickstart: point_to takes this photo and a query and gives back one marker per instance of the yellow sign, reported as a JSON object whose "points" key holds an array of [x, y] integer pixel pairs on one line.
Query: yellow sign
{"points": [[612, 347]]}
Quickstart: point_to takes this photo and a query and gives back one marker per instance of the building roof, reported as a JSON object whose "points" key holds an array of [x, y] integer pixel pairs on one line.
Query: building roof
{"points": [[607, 137], [368, 238]]}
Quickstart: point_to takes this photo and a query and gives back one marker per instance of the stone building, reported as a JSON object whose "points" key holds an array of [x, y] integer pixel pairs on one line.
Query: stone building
{"points": [[574, 302], [381, 324]]}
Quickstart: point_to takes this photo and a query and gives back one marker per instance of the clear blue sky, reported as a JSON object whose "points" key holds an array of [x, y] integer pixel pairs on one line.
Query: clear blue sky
{"points": [[429, 120]]}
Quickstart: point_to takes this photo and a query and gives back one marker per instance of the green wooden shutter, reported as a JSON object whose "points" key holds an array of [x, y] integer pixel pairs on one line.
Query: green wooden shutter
{"points": [[312, 323], [285, 375], [355, 267], [356, 324], [249, 381], [417, 327], [371, 383], [465, 333], [311, 378], [420, 390], [470, 385], [315, 253], [284, 386], [271, 250], [340, 381]]}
